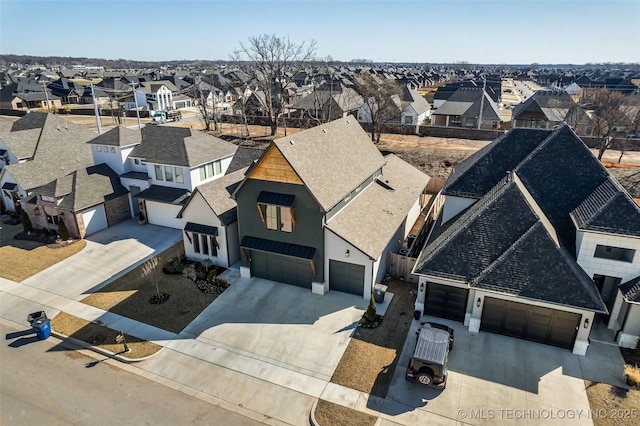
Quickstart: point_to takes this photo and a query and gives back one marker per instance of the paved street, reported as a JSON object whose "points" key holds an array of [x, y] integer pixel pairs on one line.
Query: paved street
{"points": [[46, 383]]}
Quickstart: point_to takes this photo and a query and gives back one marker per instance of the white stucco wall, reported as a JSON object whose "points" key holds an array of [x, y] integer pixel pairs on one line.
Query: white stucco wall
{"points": [[198, 211], [335, 248], [412, 216], [454, 205], [613, 268], [163, 214]]}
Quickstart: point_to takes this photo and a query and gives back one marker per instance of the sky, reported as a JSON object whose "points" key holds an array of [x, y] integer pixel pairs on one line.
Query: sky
{"points": [[423, 31]]}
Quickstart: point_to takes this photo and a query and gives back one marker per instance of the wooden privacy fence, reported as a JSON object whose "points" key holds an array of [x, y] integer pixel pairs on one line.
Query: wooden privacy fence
{"points": [[399, 266]]}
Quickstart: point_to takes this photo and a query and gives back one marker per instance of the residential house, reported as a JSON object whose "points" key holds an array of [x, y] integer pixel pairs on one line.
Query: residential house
{"points": [[161, 166], [532, 241], [413, 109], [546, 109], [327, 103], [322, 208], [463, 109], [159, 94], [50, 172]]}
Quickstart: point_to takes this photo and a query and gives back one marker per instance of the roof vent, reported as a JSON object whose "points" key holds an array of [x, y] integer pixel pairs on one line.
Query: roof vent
{"points": [[324, 130], [292, 142], [348, 121]]}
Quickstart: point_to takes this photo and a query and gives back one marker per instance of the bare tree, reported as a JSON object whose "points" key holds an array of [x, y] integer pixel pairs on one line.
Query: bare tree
{"points": [[152, 271], [613, 115], [202, 91], [270, 60], [381, 101]]}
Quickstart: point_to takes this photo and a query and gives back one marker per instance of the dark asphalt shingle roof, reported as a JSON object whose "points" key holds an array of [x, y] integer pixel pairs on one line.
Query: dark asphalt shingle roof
{"points": [[179, 146], [503, 243], [631, 290], [163, 194], [201, 229], [244, 157], [278, 247], [608, 209]]}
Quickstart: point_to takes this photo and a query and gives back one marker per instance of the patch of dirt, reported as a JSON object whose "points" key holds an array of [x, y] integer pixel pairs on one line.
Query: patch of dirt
{"points": [[330, 414], [371, 357], [100, 336], [613, 406]]}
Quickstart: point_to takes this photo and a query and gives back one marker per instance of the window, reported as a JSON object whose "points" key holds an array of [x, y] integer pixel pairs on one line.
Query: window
{"points": [[614, 253], [218, 167], [168, 173], [286, 224], [205, 244], [408, 119], [159, 175], [179, 177], [113, 150], [209, 170], [136, 161], [46, 198], [196, 243], [272, 217], [99, 148], [53, 220], [214, 246], [203, 173]]}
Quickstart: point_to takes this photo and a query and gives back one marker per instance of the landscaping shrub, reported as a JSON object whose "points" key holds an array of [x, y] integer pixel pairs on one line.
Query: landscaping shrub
{"points": [[26, 222], [370, 314], [62, 230]]}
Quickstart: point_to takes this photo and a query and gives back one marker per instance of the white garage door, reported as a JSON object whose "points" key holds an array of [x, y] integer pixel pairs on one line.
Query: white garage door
{"points": [[163, 214], [95, 219]]}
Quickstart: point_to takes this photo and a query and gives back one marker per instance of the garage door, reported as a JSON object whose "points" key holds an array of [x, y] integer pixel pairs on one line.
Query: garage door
{"points": [[544, 325], [95, 219], [346, 277], [284, 269], [446, 302]]}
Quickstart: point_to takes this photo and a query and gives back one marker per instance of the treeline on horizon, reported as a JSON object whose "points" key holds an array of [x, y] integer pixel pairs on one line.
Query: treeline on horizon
{"points": [[8, 59]]}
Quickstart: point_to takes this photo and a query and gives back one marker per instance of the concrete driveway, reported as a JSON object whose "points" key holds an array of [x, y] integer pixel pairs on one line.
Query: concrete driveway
{"points": [[278, 324], [495, 378]]}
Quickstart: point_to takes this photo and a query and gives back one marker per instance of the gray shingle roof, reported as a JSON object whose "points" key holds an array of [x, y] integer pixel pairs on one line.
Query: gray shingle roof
{"points": [[84, 188], [60, 148], [118, 136], [372, 218], [331, 159], [608, 209], [178, 146], [217, 194]]}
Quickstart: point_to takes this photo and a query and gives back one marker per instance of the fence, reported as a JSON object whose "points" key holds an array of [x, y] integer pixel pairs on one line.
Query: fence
{"points": [[399, 266]]}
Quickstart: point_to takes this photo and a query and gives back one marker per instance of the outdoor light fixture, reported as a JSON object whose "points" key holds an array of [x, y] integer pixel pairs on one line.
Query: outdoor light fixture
{"points": [[478, 302], [347, 254], [421, 287], [586, 323]]}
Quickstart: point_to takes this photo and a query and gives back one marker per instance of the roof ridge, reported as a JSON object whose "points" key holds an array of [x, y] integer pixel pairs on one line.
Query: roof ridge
{"points": [[469, 215], [538, 148], [507, 252]]}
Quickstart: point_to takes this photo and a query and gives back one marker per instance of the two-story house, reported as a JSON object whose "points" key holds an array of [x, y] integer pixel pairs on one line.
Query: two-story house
{"points": [[322, 208], [467, 107], [533, 241], [161, 166], [547, 108]]}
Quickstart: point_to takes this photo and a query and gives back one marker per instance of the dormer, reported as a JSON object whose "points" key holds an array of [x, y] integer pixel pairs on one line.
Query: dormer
{"points": [[113, 148]]}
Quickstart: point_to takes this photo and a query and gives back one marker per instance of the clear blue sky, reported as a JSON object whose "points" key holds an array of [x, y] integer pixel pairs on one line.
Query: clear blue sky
{"points": [[475, 31]]}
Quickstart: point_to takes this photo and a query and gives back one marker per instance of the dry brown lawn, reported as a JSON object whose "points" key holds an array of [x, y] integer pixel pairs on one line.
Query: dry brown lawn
{"points": [[129, 296], [101, 336], [17, 264], [330, 414], [613, 406], [372, 355]]}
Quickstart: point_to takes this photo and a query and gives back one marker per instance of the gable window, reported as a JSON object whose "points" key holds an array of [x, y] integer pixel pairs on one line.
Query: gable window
{"points": [[276, 211], [159, 175], [614, 253]]}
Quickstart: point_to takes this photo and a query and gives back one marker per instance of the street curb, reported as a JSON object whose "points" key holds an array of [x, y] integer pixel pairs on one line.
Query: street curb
{"points": [[312, 414], [109, 354]]}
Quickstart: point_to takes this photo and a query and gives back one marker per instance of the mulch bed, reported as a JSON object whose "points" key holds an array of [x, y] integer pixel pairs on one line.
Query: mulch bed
{"points": [[45, 238]]}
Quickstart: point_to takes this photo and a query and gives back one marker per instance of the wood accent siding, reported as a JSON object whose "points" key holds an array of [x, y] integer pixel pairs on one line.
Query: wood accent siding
{"points": [[274, 167]]}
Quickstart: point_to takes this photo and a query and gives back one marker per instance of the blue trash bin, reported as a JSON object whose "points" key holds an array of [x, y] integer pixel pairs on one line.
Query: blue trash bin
{"points": [[43, 328], [41, 324]]}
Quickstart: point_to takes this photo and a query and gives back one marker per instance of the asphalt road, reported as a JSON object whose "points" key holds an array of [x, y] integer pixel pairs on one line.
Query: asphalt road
{"points": [[42, 383]]}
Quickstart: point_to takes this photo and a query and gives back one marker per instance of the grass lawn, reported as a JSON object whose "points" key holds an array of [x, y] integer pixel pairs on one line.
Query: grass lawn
{"points": [[129, 296], [101, 336], [330, 414], [613, 406], [372, 355], [18, 264]]}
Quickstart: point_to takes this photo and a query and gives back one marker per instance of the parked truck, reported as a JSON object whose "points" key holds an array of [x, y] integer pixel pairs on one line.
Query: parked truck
{"points": [[161, 117]]}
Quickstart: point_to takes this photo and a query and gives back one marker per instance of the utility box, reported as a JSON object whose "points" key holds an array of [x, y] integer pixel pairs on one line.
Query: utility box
{"points": [[379, 291], [41, 324]]}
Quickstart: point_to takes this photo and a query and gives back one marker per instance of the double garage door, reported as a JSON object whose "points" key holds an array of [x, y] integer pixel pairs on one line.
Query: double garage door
{"points": [[346, 277], [544, 325], [283, 269]]}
